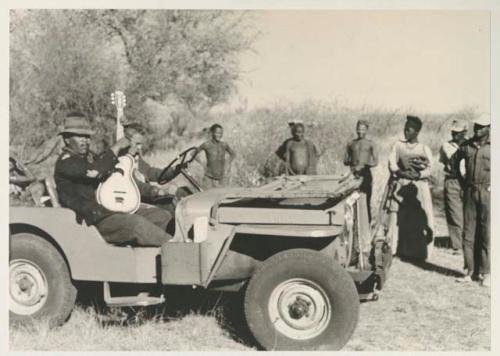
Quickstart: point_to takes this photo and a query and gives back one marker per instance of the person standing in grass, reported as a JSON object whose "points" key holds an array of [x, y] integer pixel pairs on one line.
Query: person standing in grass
{"points": [[411, 217], [361, 155], [301, 155], [215, 150], [477, 218], [453, 193]]}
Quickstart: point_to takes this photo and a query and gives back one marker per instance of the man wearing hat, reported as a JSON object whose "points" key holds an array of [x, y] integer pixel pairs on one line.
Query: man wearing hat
{"points": [[411, 216], [453, 203], [476, 240], [78, 173], [361, 155]]}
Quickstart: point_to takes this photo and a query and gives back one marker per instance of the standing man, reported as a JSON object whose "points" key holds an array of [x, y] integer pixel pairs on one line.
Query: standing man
{"points": [[215, 150], [453, 193], [78, 173], [301, 155], [361, 155], [476, 152]]}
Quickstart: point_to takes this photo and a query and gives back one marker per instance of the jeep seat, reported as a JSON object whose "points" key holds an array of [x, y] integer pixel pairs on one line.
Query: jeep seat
{"points": [[50, 184]]}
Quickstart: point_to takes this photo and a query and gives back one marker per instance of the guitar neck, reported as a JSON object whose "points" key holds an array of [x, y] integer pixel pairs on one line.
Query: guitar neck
{"points": [[119, 126]]}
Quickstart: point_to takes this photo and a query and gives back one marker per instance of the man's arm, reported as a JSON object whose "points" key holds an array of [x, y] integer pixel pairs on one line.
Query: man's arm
{"points": [[393, 159], [426, 172], [147, 191], [152, 173], [26, 178], [229, 150], [313, 159], [455, 160], [74, 167], [197, 157], [288, 166], [347, 155], [374, 158]]}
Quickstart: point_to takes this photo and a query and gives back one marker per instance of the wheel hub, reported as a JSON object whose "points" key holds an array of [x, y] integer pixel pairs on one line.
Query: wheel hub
{"points": [[28, 287], [299, 309]]}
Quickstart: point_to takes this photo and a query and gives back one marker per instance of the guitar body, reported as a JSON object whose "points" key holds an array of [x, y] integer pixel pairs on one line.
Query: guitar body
{"points": [[119, 193]]}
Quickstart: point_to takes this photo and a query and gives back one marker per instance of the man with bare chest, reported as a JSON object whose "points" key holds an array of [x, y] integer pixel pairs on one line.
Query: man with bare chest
{"points": [[215, 150], [300, 155]]}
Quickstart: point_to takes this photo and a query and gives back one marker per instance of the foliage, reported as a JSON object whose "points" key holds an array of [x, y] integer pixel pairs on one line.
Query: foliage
{"points": [[64, 60]]}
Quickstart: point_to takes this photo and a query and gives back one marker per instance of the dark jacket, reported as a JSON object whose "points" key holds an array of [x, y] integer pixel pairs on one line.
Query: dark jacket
{"points": [[477, 162], [76, 189]]}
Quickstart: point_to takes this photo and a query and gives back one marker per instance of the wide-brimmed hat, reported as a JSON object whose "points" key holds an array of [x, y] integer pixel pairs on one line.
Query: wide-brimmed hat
{"points": [[482, 120], [76, 124], [458, 126]]}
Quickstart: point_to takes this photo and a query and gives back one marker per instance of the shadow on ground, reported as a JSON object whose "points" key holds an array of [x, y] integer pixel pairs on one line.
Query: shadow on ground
{"points": [[181, 301]]}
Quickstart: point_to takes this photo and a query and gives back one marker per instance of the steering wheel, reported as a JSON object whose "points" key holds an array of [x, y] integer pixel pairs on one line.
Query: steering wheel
{"points": [[180, 162]]}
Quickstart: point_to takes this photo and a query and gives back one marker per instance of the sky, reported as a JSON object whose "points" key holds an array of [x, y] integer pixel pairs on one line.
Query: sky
{"points": [[433, 61]]}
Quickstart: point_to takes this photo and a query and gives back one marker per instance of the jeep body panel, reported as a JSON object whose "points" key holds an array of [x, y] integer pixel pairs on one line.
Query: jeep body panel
{"points": [[88, 255]]}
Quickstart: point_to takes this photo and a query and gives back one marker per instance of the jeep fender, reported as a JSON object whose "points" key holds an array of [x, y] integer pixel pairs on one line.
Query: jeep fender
{"points": [[250, 245]]}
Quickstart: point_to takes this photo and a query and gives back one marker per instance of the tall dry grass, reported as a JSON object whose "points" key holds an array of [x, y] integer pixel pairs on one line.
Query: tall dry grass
{"points": [[255, 135]]}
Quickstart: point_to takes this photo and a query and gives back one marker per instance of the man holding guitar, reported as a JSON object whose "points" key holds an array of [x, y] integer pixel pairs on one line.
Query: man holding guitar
{"points": [[78, 173]]}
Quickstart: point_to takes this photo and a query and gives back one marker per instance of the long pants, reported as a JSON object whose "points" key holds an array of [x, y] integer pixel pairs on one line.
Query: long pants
{"points": [[146, 227], [366, 187], [454, 210], [477, 228]]}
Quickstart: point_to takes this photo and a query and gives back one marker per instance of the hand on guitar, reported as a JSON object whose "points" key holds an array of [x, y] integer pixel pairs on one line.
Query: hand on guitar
{"points": [[120, 145]]}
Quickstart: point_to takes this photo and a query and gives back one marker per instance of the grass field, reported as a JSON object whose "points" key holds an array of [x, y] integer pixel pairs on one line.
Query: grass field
{"points": [[421, 307]]}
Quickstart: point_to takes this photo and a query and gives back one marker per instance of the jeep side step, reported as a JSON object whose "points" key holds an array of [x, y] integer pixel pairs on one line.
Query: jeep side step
{"points": [[141, 299]]}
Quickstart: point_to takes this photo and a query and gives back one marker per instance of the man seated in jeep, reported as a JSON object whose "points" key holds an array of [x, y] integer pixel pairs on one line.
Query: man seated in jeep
{"points": [[78, 173], [144, 173]]}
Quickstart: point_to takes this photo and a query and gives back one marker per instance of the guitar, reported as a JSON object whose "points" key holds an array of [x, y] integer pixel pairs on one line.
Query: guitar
{"points": [[119, 192]]}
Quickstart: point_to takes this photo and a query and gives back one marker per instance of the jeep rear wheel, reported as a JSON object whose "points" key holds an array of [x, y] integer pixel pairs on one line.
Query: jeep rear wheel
{"points": [[39, 282], [301, 300]]}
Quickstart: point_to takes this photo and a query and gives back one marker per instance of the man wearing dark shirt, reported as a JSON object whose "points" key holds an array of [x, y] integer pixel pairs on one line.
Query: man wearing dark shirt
{"points": [[477, 209], [78, 173], [215, 150], [361, 155], [453, 192]]}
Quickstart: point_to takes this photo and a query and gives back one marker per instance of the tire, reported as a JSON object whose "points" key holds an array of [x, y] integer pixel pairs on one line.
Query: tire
{"points": [[40, 284], [301, 300]]}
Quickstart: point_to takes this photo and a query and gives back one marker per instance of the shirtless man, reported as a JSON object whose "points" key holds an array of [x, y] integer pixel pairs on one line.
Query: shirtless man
{"points": [[215, 150], [301, 155]]}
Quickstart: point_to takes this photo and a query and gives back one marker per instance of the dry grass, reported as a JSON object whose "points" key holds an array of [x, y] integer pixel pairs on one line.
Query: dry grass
{"points": [[421, 308]]}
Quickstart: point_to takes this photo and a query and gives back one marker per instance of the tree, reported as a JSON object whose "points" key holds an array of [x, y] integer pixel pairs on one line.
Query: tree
{"points": [[65, 60]]}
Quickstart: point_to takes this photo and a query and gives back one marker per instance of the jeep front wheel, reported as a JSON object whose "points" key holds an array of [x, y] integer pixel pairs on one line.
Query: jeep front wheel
{"points": [[301, 300], [39, 282]]}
